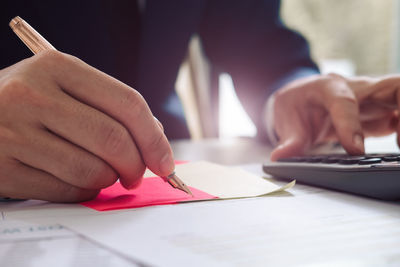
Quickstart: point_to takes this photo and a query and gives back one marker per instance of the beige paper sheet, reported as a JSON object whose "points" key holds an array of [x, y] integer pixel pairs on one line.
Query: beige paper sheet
{"points": [[226, 182]]}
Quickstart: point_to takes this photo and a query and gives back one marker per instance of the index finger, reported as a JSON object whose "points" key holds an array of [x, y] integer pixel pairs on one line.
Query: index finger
{"points": [[120, 102], [341, 103]]}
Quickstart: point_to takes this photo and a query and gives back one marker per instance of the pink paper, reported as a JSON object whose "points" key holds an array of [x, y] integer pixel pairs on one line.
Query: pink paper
{"points": [[152, 191]]}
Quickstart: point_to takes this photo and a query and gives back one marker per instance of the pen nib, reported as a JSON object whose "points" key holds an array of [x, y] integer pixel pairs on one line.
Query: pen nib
{"points": [[177, 183]]}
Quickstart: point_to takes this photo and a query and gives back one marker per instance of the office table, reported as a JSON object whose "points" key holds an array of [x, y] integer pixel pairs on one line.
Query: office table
{"points": [[306, 226], [233, 151]]}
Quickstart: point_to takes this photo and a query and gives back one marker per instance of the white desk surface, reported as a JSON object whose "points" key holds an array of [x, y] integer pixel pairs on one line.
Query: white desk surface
{"points": [[305, 227]]}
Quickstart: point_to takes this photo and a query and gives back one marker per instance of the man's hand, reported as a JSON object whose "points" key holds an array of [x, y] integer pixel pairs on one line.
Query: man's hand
{"points": [[67, 130], [322, 108]]}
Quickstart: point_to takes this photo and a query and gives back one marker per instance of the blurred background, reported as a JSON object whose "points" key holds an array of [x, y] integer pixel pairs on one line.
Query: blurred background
{"points": [[349, 37]]}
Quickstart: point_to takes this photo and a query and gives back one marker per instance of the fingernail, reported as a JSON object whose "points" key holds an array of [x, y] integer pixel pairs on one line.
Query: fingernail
{"points": [[358, 141], [167, 164]]}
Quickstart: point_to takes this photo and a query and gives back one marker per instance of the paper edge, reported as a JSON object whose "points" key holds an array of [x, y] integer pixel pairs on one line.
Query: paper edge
{"points": [[280, 189]]}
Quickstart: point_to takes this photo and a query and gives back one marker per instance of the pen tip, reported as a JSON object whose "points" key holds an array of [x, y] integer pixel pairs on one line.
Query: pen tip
{"points": [[188, 191]]}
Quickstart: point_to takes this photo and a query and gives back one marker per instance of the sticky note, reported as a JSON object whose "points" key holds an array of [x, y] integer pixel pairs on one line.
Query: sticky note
{"points": [[152, 191]]}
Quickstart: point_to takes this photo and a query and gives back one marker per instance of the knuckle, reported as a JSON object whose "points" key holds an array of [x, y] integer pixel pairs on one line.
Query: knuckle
{"points": [[115, 140], [134, 102], [156, 141], [52, 56], [52, 59], [13, 89], [336, 86], [7, 137], [341, 100], [333, 76], [159, 124], [18, 89], [342, 92], [94, 174]]}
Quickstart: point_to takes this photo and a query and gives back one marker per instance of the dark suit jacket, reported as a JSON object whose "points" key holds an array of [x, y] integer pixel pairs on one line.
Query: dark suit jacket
{"points": [[245, 38]]}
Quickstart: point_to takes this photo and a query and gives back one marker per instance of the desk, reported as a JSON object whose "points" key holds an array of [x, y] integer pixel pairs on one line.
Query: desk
{"points": [[307, 226], [233, 151]]}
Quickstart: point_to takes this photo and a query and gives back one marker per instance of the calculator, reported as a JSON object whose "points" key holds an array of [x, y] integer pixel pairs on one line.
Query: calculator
{"points": [[371, 175]]}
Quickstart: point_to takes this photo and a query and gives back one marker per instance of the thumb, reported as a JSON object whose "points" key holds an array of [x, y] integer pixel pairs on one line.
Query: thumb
{"points": [[293, 129], [294, 134]]}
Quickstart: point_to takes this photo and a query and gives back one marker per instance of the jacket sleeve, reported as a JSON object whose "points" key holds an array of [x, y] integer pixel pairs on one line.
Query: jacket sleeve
{"points": [[248, 40]]}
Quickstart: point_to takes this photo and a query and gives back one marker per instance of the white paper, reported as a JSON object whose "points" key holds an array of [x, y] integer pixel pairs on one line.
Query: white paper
{"points": [[307, 226], [25, 210], [312, 228], [40, 245]]}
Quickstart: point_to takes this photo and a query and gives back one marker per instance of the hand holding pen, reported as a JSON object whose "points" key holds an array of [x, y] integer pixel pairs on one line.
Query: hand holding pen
{"points": [[68, 130]]}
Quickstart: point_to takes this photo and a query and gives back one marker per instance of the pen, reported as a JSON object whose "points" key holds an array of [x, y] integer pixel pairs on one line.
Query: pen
{"points": [[36, 43]]}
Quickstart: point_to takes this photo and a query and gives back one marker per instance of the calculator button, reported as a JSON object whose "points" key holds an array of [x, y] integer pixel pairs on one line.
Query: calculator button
{"points": [[351, 160], [292, 159], [391, 158], [331, 160], [314, 159], [377, 155], [370, 161]]}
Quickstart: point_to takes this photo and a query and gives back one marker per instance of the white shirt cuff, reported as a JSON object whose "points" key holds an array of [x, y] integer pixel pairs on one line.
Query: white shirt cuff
{"points": [[269, 120]]}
